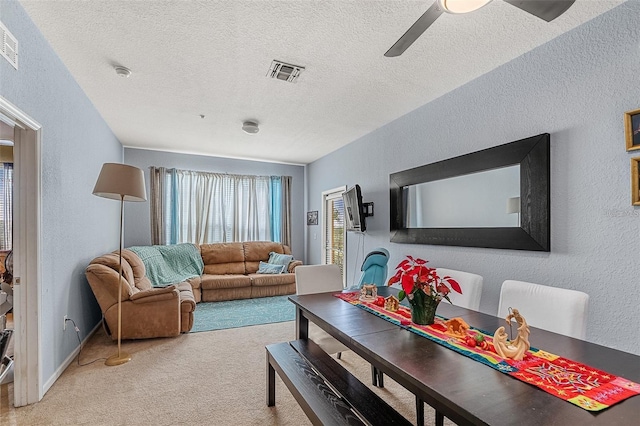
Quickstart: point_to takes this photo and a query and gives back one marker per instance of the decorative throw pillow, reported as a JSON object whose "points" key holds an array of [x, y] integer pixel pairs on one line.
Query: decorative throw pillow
{"points": [[280, 259], [270, 268]]}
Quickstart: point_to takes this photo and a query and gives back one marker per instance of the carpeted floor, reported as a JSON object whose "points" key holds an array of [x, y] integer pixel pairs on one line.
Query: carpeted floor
{"points": [[241, 313], [212, 378]]}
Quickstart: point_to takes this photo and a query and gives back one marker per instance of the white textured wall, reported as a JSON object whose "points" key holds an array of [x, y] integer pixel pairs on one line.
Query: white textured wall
{"points": [[76, 226], [137, 222], [576, 88]]}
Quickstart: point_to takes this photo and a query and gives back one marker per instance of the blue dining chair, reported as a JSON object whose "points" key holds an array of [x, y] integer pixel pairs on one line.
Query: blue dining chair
{"points": [[374, 268]]}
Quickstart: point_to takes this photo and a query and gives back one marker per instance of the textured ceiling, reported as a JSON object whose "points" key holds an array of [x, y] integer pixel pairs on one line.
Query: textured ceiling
{"points": [[211, 57]]}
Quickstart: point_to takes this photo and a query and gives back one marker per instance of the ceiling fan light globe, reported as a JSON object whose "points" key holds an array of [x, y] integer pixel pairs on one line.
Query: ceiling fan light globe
{"points": [[462, 6]]}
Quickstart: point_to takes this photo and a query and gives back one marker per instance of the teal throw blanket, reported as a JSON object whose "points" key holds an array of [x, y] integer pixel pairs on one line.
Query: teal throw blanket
{"points": [[172, 264]]}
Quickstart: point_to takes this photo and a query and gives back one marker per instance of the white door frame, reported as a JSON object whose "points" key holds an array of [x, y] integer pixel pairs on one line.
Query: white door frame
{"points": [[27, 383], [325, 194]]}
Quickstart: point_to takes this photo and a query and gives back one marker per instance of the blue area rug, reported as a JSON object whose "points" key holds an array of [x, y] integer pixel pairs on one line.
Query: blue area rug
{"points": [[241, 313]]}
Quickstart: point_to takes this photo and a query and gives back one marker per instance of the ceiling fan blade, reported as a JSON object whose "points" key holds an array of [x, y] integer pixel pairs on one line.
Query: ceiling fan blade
{"points": [[543, 9], [415, 31]]}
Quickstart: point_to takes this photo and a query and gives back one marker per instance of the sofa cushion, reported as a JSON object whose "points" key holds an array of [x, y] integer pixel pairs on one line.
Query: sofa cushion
{"points": [[223, 294], [139, 272], [187, 300], [223, 258], [112, 261], [256, 251], [270, 268], [210, 281], [195, 282], [272, 290], [262, 280], [293, 264]]}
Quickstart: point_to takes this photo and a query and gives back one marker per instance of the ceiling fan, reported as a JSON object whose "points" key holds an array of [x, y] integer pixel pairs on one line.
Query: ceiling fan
{"points": [[543, 9]]}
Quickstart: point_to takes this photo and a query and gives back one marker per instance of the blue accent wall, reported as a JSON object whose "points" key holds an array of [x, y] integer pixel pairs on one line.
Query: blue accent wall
{"points": [[576, 87], [76, 226], [137, 222]]}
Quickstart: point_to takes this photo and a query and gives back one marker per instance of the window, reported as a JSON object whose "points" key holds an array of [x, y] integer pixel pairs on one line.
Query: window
{"points": [[202, 207], [333, 233]]}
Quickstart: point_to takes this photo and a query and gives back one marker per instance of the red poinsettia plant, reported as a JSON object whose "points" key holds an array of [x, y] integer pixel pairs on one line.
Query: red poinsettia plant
{"points": [[414, 275]]}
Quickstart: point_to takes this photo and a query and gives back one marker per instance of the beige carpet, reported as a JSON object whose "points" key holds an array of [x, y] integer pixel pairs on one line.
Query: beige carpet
{"points": [[209, 378]]}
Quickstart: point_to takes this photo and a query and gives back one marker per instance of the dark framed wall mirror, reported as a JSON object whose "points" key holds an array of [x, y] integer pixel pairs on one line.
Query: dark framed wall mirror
{"points": [[495, 198]]}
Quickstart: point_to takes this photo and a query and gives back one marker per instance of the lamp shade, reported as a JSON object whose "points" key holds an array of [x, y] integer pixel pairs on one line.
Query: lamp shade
{"points": [[120, 181]]}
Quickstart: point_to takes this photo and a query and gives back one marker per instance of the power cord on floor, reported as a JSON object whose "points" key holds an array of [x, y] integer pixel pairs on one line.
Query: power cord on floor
{"points": [[80, 341]]}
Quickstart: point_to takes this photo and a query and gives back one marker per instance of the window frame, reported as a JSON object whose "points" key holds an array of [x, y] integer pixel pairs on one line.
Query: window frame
{"points": [[328, 195]]}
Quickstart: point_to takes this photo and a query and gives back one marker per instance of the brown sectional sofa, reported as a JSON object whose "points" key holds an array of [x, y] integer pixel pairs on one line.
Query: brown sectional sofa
{"points": [[230, 272], [146, 311]]}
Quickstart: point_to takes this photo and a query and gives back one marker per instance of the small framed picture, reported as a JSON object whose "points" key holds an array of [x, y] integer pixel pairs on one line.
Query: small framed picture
{"points": [[635, 181], [632, 129], [312, 217]]}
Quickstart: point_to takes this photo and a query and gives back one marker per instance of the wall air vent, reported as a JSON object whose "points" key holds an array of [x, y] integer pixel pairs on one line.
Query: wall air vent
{"points": [[9, 48], [284, 71]]}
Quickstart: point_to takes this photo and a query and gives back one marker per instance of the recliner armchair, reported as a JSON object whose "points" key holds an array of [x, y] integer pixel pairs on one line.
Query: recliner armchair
{"points": [[146, 311]]}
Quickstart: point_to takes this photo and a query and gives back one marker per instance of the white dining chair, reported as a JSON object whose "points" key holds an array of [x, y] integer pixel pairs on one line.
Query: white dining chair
{"points": [[471, 285], [554, 309], [311, 279]]}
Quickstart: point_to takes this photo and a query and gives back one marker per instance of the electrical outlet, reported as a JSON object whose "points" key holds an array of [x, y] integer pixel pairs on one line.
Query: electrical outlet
{"points": [[64, 326]]}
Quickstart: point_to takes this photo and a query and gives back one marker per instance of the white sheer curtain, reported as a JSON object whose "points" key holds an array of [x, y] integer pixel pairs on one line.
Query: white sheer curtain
{"points": [[202, 207]]}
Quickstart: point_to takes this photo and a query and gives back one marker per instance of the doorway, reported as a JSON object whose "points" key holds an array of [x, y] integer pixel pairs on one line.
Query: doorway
{"points": [[333, 230], [6, 246], [27, 383]]}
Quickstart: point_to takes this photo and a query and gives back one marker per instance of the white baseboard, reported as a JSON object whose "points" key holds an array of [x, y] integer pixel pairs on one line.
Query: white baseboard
{"points": [[69, 360]]}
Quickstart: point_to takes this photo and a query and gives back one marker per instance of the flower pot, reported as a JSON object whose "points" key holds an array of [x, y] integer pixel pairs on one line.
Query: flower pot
{"points": [[423, 308]]}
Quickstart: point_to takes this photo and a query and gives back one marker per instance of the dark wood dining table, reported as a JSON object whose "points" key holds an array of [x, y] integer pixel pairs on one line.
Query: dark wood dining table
{"points": [[464, 390]]}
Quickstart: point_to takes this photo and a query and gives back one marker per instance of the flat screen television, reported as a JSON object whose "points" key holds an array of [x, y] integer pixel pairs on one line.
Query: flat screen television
{"points": [[354, 210]]}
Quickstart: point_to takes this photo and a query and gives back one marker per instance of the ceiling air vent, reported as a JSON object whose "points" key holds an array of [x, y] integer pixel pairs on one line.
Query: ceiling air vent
{"points": [[284, 71], [9, 46]]}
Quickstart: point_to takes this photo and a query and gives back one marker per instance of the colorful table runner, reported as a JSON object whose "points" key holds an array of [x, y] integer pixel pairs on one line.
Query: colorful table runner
{"points": [[584, 386]]}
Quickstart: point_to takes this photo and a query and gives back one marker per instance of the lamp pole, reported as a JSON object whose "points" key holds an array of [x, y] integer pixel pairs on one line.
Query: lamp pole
{"points": [[121, 357]]}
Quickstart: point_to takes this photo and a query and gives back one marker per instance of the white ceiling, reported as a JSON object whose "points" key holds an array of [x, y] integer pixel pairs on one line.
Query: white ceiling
{"points": [[211, 57]]}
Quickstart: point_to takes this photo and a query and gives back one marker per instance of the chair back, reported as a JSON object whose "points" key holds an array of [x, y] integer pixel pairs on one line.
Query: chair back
{"points": [[471, 285], [311, 279], [374, 267], [554, 309]]}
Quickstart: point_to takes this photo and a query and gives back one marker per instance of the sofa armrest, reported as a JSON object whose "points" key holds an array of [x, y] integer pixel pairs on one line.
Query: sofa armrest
{"points": [[155, 295], [293, 264]]}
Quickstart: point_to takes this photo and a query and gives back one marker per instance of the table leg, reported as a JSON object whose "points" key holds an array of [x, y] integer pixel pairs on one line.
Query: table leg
{"points": [[271, 384], [302, 325], [419, 412], [377, 377]]}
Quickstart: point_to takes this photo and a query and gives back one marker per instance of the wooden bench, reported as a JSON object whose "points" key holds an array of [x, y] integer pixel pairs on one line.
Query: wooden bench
{"points": [[326, 391]]}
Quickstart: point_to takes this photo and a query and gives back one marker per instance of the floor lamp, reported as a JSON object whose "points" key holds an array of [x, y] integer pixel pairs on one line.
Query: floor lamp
{"points": [[125, 183]]}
